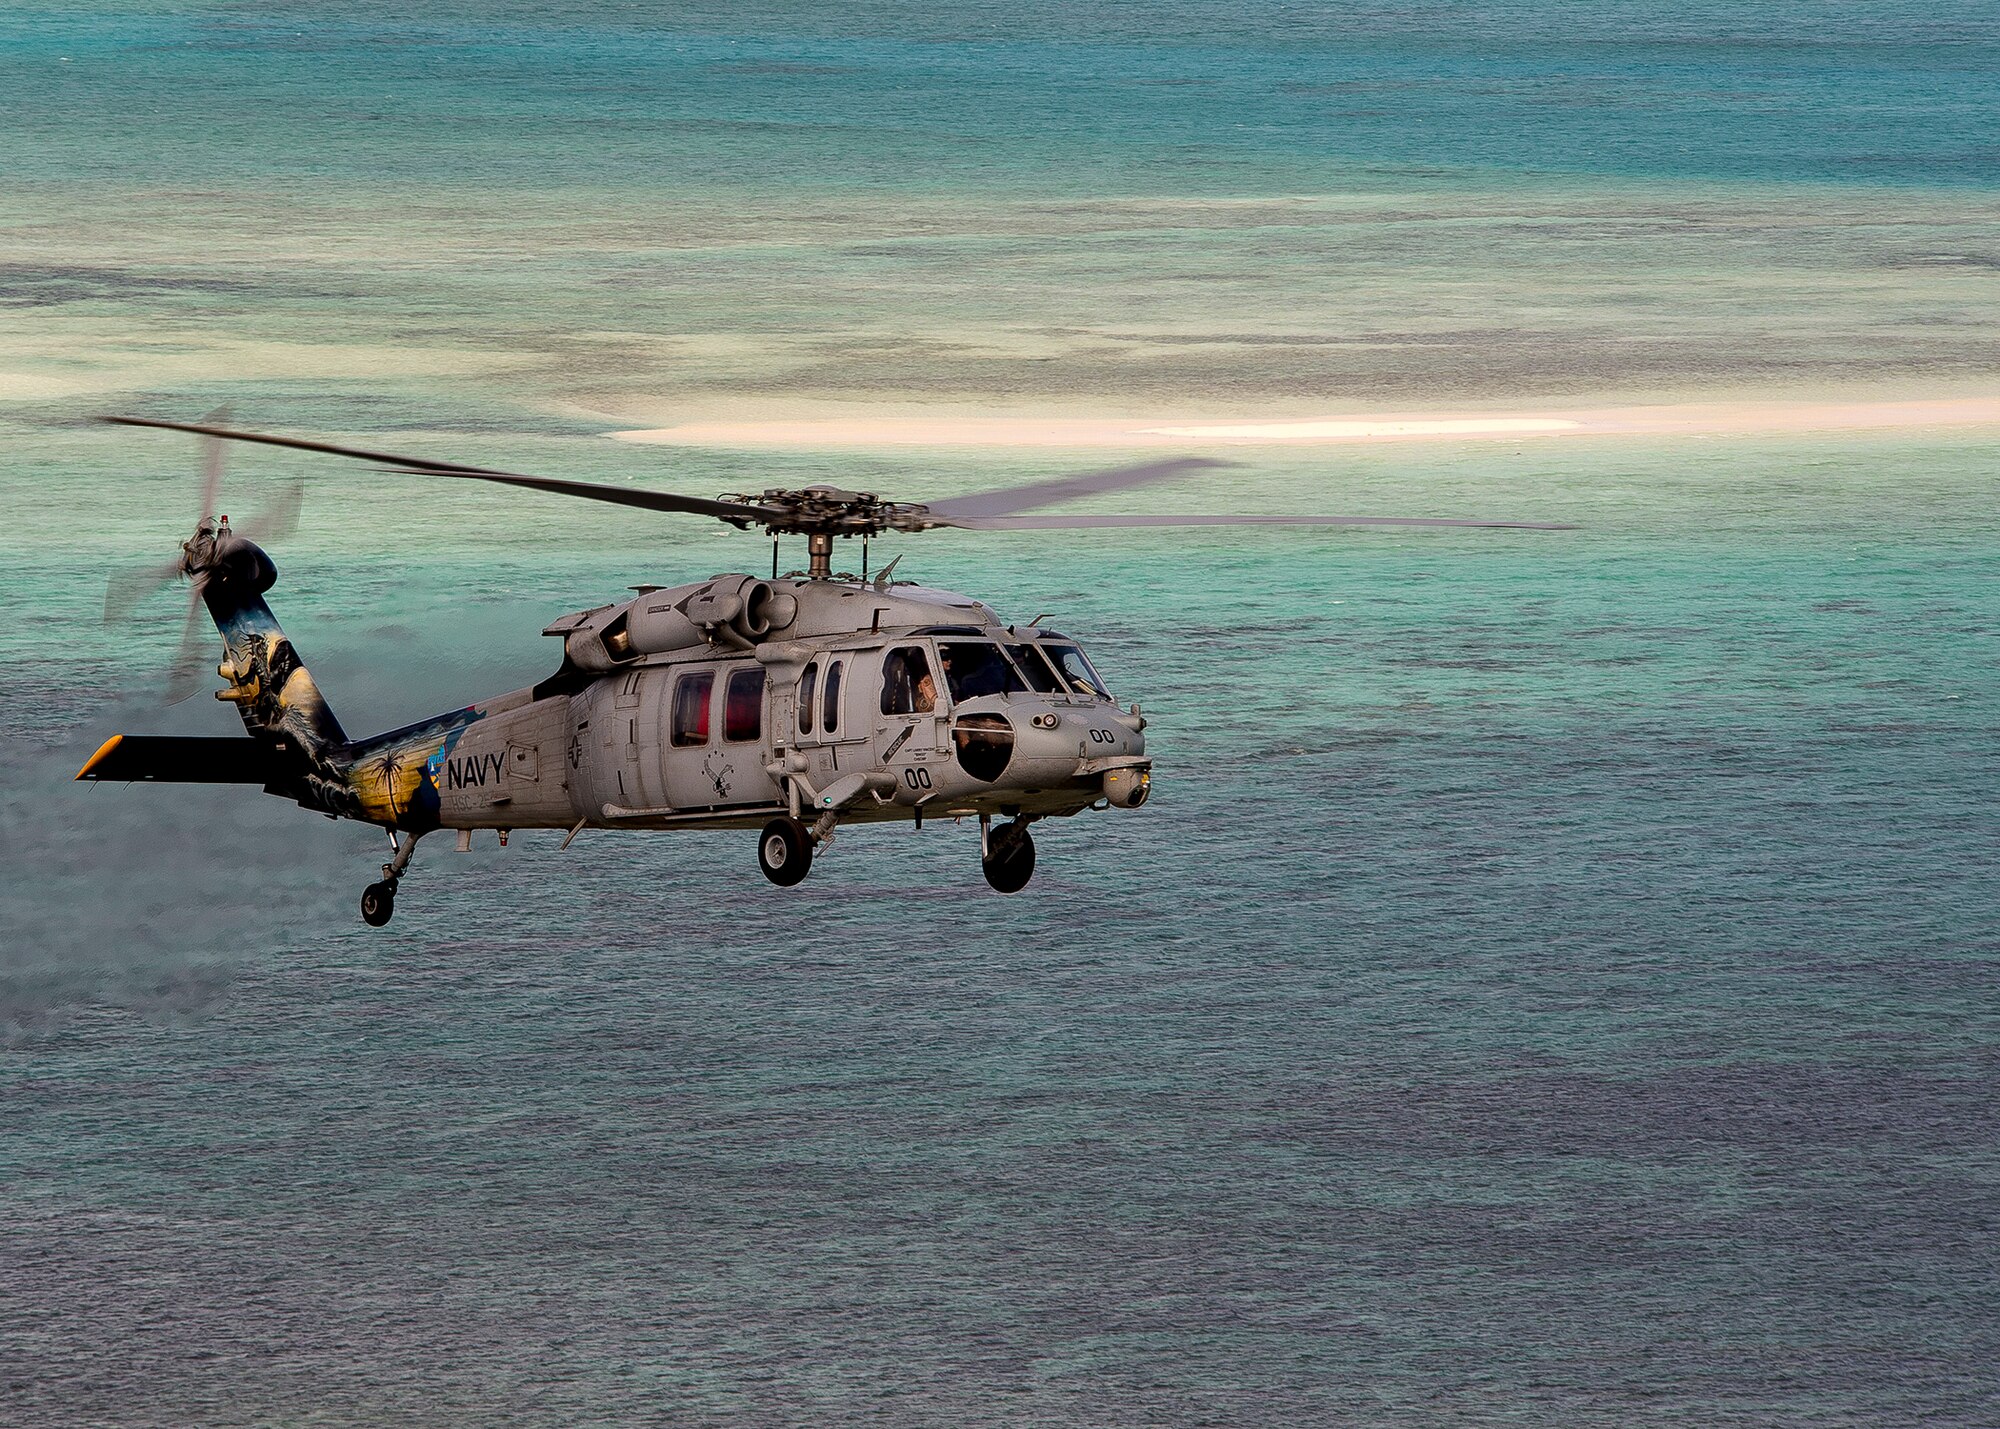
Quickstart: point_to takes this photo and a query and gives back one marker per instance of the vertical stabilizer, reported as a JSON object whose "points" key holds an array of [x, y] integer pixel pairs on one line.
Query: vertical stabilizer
{"points": [[268, 683]]}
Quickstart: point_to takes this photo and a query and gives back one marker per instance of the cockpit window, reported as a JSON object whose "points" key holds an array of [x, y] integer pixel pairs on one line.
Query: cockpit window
{"points": [[908, 687], [975, 668], [1042, 678], [1077, 670]]}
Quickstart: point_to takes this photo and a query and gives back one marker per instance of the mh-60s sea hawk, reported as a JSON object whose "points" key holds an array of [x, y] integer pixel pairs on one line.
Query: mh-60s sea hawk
{"points": [[792, 705]]}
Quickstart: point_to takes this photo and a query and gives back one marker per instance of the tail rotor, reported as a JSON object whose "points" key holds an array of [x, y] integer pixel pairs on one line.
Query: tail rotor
{"points": [[126, 590]]}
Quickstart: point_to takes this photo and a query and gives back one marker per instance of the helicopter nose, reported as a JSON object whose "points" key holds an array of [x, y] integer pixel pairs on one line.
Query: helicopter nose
{"points": [[1065, 732], [1107, 749]]}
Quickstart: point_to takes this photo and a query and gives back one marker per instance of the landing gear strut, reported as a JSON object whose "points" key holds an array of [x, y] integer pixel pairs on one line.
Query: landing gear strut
{"points": [[785, 851], [378, 900], [1008, 859]]}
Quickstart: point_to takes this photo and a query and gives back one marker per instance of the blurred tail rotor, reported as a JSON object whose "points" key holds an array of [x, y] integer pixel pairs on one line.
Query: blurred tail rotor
{"points": [[127, 589], [184, 675]]}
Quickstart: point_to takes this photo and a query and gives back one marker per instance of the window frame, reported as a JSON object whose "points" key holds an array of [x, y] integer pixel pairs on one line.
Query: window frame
{"points": [[1086, 688], [808, 697], [830, 696], [685, 680], [737, 674], [950, 690], [924, 653], [1040, 660]]}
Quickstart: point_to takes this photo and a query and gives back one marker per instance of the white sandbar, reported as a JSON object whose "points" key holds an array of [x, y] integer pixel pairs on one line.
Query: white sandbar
{"points": [[1692, 419]]}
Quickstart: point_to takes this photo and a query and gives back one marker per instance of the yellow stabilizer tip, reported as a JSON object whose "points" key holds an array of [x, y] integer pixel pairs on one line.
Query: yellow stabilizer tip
{"points": [[103, 753]]}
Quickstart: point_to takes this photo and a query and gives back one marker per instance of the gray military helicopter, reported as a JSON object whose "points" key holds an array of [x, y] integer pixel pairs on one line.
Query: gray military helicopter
{"points": [[794, 705]]}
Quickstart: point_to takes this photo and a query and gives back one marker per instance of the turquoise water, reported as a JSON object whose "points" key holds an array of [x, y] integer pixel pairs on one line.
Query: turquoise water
{"points": [[1554, 983]]}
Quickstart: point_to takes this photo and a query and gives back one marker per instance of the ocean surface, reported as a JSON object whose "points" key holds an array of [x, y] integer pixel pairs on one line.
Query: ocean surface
{"points": [[1555, 981]]}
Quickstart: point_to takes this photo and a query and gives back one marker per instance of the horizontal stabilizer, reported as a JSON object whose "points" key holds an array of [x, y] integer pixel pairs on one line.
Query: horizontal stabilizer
{"points": [[169, 759]]}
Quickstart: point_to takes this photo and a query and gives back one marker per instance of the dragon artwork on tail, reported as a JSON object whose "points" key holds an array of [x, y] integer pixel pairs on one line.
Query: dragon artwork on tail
{"points": [[296, 747]]}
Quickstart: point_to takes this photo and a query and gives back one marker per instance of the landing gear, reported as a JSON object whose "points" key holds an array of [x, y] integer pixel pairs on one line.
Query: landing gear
{"points": [[378, 903], [378, 900], [785, 851], [1009, 860]]}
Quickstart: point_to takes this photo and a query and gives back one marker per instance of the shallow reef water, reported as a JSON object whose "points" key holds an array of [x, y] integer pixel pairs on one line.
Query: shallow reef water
{"points": [[1555, 980]]}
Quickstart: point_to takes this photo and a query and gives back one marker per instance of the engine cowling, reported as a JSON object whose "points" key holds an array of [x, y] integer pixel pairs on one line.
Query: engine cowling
{"points": [[739, 610]]}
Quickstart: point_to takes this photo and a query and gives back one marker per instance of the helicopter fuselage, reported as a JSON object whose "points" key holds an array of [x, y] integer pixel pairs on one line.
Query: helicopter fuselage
{"points": [[722, 704]]}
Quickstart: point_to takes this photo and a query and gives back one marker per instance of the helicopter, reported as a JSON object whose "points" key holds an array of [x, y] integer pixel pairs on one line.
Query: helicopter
{"points": [[795, 705]]}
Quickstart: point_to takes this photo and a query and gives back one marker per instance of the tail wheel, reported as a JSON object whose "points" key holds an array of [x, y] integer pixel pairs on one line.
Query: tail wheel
{"points": [[1010, 858], [784, 851], [378, 903]]}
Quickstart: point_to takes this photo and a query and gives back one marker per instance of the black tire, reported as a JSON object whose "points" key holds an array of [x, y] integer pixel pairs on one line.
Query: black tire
{"points": [[1010, 858], [378, 904], [785, 851]]}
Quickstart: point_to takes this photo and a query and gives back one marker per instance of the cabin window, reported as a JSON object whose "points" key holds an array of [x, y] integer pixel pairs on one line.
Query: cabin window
{"points": [[976, 667], [743, 705], [691, 694], [829, 714], [908, 686], [1077, 670], [808, 682]]}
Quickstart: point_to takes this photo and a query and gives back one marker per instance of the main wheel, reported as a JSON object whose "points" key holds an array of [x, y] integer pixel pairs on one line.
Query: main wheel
{"points": [[785, 851], [378, 903], [1010, 858]]}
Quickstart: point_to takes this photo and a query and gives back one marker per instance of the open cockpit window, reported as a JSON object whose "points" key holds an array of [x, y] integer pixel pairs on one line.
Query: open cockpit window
{"points": [[978, 667], [1076, 670], [908, 686]]}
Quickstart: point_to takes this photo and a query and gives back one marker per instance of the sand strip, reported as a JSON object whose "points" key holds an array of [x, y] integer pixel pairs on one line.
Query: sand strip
{"points": [[1697, 419]]}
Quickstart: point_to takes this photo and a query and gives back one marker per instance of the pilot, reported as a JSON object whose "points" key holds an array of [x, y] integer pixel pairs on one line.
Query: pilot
{"points": [[926, 684]]}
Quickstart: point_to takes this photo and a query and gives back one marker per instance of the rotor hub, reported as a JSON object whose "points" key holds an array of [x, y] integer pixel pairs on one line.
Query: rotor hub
{"points": [[830, 511]]}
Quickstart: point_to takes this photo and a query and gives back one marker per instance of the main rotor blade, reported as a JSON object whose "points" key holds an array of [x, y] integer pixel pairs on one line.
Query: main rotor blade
{"points": [[595, 491], [424, 466], [1063, 523], [1007, 500]]}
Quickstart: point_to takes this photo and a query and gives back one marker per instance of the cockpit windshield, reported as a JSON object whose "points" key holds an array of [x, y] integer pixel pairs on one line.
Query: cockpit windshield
{"points": [[974, 668], [1076, 669], [1042, 677]]}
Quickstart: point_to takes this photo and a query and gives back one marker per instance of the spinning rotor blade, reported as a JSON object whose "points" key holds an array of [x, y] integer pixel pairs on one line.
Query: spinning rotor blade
{"points": [[184, 675], [126, 589], [214, 456], [593, 491], [281, 518], [1060, 523], [999, 510], [1008, 500], [423, 466]]}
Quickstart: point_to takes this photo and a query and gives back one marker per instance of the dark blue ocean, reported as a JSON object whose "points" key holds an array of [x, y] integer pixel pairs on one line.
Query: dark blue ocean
{"points": [[1554, 983]]}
